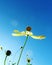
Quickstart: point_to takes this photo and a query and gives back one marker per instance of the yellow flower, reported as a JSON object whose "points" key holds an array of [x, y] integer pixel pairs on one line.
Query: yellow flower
{"points": [[25, 33]]}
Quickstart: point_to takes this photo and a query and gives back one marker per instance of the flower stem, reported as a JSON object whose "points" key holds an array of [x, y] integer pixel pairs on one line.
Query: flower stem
{"points": [[5, 60], [22, 50]]}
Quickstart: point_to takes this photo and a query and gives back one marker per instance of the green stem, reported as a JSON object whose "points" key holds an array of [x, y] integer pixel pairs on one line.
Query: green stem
{"points": [[5, 60], [22, 50]]}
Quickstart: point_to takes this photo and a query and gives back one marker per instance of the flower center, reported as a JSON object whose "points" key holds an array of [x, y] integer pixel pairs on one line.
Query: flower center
{"points": [[28, 28]]}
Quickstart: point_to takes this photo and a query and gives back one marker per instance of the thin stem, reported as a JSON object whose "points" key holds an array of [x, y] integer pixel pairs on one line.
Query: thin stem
{"points": [[22, 50], [5, 60]]}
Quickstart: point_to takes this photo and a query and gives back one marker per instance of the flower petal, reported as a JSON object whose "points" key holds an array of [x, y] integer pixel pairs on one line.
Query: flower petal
{"points": [[16, 31], [14, 34], [38, 37]]}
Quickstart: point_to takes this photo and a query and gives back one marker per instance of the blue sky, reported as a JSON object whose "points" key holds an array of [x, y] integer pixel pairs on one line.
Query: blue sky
{"points": [[18, 14]]}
